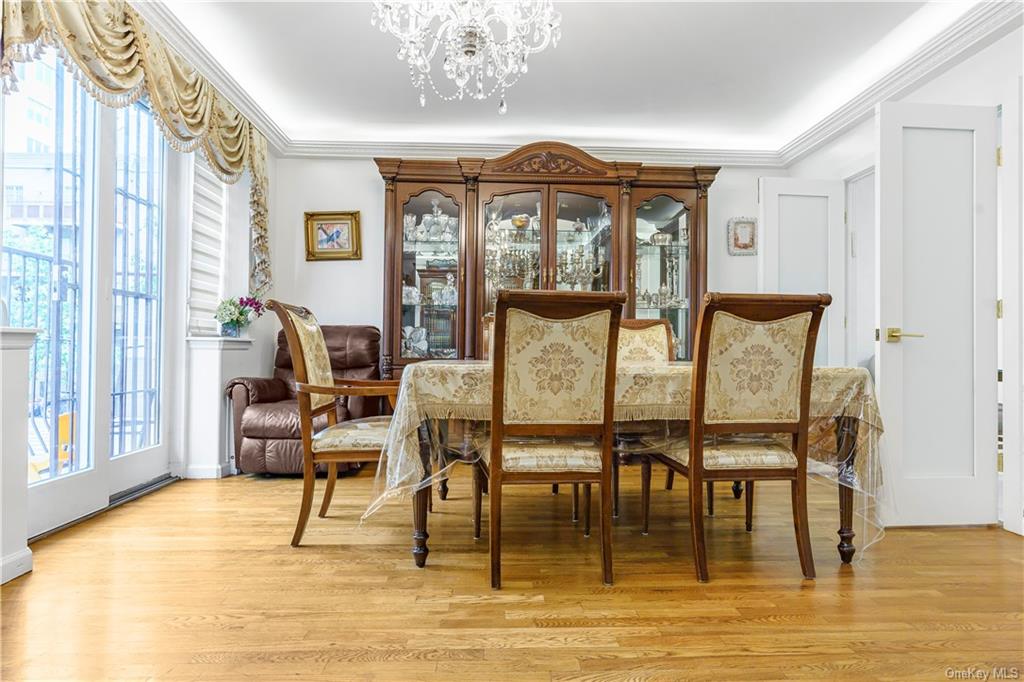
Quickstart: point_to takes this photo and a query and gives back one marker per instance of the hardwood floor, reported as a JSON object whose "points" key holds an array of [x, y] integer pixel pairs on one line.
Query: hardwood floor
{"points": [[198, 582]]}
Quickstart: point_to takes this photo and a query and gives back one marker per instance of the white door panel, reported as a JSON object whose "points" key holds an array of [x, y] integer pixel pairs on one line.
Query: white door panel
{"points": [[803, 251], [937, 273]]}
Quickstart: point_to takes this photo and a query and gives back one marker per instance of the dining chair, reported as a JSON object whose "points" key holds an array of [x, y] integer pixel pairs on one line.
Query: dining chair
{"points": [[317, 390], [487, 325], [640, 342], [749, 404], [552, 405]]}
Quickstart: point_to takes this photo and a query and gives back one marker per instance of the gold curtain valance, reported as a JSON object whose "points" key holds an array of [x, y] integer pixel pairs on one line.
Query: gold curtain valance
{"points": [[118, 59]]}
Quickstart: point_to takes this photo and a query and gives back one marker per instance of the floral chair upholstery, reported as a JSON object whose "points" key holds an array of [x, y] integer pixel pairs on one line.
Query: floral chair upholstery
{"points": [[643, 341]]}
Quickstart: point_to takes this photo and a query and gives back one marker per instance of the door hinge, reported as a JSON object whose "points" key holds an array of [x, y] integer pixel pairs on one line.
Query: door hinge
{"points": [[845, 321], [999, 309], [877, 334], [999, 156]]}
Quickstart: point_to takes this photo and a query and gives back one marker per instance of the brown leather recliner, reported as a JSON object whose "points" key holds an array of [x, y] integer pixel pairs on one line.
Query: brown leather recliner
{"points": [[266, 413]]}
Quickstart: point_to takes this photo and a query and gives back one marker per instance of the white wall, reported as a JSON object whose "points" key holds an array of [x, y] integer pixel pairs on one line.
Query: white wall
{"points": [[338, 292], [733, 195]]}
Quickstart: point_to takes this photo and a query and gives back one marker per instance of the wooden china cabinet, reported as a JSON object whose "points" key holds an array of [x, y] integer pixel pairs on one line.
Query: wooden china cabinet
{"points": [[545, 216]]}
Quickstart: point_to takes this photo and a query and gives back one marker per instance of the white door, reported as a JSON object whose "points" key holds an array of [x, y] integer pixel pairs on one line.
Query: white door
{"points": [[936, 189], [860, 270], [803, 251]]}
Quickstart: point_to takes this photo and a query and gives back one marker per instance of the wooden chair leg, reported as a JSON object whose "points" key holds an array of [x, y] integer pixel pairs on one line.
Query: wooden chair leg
{"points": [[332, 478], [697, 529], [478, 475], [430, 499], [494, 528], [750, 506], [308, 480], [711, 498], [615, 486], [554, 488], [803, 532], [575, 502], [586, 510], [606, 529], [645, 493], [442, 489], [669, 479]]}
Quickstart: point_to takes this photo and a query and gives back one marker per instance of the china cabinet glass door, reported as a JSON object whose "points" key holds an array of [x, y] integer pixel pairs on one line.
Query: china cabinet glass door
{"points": [[584, 225], [513, 242], [662, 275], [430, 276]]}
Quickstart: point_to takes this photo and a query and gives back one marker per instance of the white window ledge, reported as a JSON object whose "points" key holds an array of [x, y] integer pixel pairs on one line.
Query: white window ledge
{"points": [[223, 343]]}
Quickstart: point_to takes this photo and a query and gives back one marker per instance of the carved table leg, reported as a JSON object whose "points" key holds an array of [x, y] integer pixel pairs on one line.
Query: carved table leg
{"points": [[737, 489], [846, 447], [420, 503]]}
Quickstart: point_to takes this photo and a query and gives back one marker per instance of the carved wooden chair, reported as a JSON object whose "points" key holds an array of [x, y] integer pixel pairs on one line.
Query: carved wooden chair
{"points": [[356, 440], [749, 403], [640, 341], [553, 401]]}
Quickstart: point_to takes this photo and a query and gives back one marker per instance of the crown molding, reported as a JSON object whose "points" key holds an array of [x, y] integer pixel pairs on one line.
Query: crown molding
{"points": [[979, 27], [180, 39], [450, 150]]}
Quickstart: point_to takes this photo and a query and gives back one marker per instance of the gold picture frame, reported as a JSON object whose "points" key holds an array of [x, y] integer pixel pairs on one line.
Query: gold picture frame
{"points": [[333, 235]]}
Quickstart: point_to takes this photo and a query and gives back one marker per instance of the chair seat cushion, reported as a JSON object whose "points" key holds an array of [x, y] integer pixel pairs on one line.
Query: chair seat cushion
{"points": [[741, 454], [546, 456], [357, 434]]}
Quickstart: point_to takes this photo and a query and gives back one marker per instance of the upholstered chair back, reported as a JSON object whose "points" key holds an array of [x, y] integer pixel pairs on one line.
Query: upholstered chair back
{"points": [[755, 353], [310, 359], [642, 341], [553, 357]]}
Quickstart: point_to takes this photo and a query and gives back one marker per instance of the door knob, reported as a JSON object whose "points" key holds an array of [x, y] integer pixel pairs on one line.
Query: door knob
{"points": [[894, 334]]}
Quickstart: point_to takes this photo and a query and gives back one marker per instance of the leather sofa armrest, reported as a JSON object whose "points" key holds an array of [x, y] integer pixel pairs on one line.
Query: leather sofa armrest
{"points": [[245, 391], [257, 390]]}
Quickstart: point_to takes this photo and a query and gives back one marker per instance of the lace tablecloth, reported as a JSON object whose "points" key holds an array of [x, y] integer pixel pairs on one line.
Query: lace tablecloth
{"points": [[844, 430]]}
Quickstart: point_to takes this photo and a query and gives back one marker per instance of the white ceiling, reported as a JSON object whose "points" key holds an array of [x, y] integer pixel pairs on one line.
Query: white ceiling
{"points": [[724, 75]]}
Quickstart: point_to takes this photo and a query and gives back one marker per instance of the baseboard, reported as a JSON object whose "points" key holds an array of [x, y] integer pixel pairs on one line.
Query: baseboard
{"points": [[219, 471], [15, 564]]}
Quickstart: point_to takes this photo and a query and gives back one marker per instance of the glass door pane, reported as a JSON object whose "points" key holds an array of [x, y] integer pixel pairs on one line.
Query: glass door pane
{"points": [[512, 243], [430, 276], [663, 266], [138, 283], [583, 242], [48, 142]]}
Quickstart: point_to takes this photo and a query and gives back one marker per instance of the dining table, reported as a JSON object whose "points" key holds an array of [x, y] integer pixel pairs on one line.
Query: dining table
{"points": [[844, 431]]}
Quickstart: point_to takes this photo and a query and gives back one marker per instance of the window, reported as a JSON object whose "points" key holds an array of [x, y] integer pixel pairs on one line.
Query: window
{"points": [[48, 138], [206, 257], [138, 283]]}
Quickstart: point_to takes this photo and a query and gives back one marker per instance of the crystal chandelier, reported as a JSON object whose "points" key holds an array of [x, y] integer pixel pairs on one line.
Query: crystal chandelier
{"points": [[482, 45]]}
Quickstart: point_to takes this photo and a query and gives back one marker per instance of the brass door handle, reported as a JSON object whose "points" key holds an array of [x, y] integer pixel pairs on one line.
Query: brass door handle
{"points": [[894, 334]]}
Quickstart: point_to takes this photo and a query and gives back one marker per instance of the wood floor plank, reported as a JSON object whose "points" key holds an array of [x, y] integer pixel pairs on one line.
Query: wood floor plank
{"points": [[198, 582]]}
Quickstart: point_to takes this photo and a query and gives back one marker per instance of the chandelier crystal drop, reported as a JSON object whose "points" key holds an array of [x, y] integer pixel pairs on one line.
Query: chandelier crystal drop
{"points": [[481, 46]]}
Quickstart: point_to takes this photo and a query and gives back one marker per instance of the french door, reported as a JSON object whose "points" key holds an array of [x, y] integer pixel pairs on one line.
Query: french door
{"points": [[82, 262]]}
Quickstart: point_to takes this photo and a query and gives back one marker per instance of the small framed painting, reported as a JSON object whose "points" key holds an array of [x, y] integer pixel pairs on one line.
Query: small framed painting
{"points": [[742, 236], [333, 236]]}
